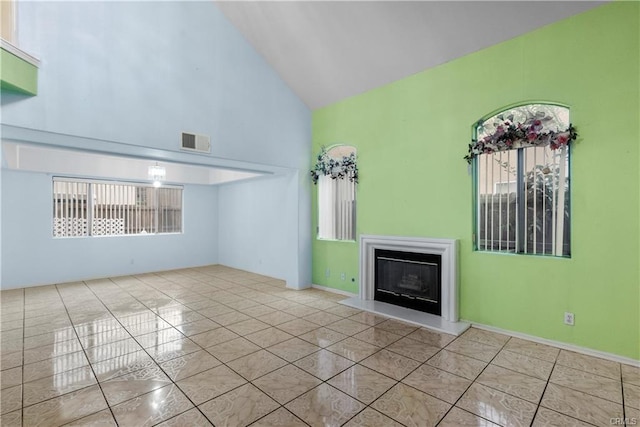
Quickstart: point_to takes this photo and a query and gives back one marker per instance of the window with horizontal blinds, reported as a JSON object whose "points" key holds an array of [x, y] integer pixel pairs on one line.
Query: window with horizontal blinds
{"points": [[337, 199], [102, 208], [337, 210]]}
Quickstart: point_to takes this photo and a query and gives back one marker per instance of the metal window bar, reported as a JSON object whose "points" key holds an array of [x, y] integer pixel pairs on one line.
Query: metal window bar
{"points": [[500, 205], [535, 210], [514, 202], [527, 217], [162, 210], [143, 211], [492, 203], [66, 209], [89, 207], [511, 211], [482, 207], [92, 208], [158, 208], [74, 206], [486, 204], [508, 201], [168, 208], [510, 231], [546, 206], [563, 167], [540, 220], [69, 205], [554, 207], [139, 226], [548, 210], [166, 205], [127, 217], [524, 158]]}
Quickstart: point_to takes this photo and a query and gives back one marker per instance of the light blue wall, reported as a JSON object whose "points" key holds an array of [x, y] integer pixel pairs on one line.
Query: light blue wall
{"points": [[139, 73], [142, 72], [31, 256], [261, 228]]}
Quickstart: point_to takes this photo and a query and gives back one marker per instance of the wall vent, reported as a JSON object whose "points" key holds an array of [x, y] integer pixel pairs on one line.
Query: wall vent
{"points": [[193, 142]]}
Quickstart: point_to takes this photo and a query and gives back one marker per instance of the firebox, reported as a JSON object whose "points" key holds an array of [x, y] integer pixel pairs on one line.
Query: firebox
{"points": [[409, 279]]}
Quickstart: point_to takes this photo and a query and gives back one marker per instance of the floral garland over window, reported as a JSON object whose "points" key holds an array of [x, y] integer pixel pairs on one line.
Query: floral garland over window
{"points": [[335, 168], [508, 135]]}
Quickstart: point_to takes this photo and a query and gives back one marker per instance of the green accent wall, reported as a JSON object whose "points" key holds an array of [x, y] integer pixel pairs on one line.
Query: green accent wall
{"points": [[17, 75], [411, 137]]}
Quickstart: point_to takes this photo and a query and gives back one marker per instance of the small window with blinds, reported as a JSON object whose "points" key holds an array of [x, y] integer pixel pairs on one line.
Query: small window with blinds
{"points": [[337, 200], [98, 208], [523, 193]]}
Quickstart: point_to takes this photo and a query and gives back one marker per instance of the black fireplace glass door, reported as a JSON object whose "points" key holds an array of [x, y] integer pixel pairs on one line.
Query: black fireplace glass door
{"points": [[408, 279]]}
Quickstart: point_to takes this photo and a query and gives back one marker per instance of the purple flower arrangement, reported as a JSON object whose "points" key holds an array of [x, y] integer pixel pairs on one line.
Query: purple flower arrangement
{"points": [[531, 133]]}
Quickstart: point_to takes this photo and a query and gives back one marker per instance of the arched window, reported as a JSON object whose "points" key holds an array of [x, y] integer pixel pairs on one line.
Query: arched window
{"points": [[522, 182], [336, 175]]}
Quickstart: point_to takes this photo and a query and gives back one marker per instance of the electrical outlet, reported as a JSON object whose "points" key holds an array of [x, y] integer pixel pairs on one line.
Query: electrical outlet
{"points": [[327, 273], [343, 276], [569, 319]]}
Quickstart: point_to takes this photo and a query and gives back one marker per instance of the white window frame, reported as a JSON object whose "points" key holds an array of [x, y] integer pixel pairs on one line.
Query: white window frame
{"points": [[88, 214]]}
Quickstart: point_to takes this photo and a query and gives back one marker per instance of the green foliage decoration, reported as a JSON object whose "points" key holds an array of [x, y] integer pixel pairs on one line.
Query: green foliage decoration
{"points": [[336, 168]]}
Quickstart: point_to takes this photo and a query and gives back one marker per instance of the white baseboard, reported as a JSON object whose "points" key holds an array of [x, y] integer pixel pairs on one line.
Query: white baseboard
{"points": [[559, 344], [333, 290]]}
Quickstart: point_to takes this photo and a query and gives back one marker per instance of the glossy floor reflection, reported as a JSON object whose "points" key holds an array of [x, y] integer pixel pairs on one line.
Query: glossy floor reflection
{"points": [[219, 346]]}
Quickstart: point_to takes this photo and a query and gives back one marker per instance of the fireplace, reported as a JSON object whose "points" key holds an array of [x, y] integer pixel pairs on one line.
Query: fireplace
{"points": [[409, 279], [446, 249], [411, 261]]}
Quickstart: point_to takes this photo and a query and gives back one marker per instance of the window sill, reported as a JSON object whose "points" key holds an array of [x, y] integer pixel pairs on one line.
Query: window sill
{"points": [[546, 256], [118, 235], [335, 240]]}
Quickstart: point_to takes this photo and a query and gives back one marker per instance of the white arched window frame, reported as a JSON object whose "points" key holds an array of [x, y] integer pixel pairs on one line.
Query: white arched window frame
{"points": [[337, 194], [522, 183]]}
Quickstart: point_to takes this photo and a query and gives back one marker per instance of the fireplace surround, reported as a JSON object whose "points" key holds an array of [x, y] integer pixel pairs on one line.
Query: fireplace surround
{"points": [[447, 249]]}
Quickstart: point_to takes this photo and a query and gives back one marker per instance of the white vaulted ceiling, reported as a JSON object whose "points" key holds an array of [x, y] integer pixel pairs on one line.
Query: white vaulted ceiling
{"points": [[330, 50]]}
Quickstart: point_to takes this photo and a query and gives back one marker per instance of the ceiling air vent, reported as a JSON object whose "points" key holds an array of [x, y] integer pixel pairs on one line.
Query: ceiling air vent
{"points": [[193, 142]]}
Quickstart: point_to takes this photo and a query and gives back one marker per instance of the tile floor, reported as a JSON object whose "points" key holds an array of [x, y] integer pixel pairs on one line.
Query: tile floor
{"points": [[219, 346]]}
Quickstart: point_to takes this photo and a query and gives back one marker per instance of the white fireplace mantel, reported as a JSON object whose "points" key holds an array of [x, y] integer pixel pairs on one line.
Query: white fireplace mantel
{"points": [[446, 248]]}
